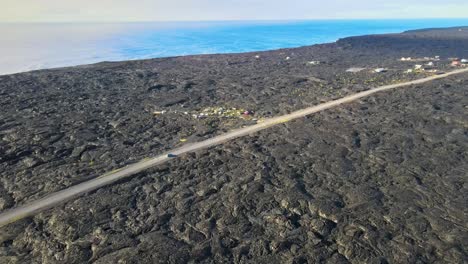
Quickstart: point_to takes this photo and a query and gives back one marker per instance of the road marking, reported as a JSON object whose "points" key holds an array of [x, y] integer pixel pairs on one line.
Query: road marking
{"points": [[67, 194]]}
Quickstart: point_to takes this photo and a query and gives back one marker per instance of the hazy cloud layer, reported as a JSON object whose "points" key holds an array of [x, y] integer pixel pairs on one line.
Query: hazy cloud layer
{"points": [[150, 10]]}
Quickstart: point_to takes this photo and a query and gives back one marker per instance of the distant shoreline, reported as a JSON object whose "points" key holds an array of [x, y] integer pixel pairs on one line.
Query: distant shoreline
{"points": [[27, 48]]}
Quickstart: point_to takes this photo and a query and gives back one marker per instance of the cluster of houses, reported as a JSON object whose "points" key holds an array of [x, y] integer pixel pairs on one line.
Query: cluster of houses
{"points": [[455, 62], [426, 64], [435, 58]]}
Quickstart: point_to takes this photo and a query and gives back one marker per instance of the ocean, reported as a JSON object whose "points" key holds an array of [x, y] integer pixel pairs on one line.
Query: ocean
{"points": [[28, 46]]}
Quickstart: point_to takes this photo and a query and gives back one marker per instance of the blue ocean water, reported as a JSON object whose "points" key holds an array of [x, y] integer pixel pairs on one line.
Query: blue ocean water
{"points": [[46, 45]]}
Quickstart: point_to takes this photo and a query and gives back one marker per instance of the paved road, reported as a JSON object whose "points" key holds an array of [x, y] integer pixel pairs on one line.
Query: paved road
{"points": [[62, 196]]}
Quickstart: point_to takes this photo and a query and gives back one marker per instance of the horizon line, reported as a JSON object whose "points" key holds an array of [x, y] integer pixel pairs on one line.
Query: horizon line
{"points": [[229, 20]]}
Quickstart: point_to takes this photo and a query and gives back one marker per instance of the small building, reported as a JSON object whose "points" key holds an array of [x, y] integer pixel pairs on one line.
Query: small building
{"points": [[355, 69], [456, 63]]}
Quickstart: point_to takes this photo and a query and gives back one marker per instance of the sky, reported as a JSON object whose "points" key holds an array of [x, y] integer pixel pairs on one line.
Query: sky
{"points": [[189, 10]]}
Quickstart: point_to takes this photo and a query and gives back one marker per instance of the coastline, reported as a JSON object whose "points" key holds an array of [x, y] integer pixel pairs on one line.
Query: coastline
{"points": [[27, 48]]}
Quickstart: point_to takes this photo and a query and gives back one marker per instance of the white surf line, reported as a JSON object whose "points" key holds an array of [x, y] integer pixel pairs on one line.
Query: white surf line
{"points": [[56, 198]]}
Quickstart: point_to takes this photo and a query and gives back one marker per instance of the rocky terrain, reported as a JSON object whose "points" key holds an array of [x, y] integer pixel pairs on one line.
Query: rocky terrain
{"points": [[382, 180]]}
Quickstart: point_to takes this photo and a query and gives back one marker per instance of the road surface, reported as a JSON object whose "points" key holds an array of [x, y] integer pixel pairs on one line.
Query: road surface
{"points": [[62, 196]]}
